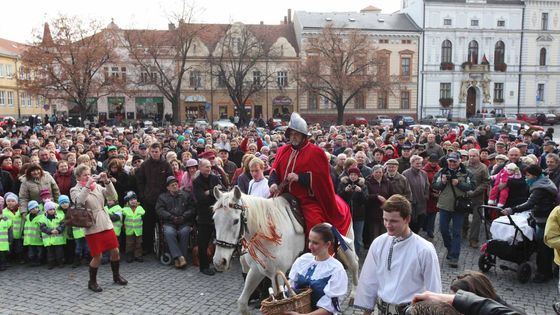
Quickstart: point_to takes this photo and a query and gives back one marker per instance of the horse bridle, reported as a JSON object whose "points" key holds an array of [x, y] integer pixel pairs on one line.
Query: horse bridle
{"points": [[242, 228]]}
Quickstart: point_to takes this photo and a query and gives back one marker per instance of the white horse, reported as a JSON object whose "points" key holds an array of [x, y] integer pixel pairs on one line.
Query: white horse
{"points": [[272, 236]]}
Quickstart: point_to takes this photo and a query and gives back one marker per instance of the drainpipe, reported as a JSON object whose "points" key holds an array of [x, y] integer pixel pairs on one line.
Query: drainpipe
{"points": [[520, 61], [420, 116]]}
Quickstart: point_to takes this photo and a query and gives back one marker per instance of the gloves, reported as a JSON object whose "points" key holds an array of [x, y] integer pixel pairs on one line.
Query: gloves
{"points": [[114, 217]]}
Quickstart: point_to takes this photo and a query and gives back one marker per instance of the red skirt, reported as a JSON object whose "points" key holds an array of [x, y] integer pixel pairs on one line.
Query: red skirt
{"points": [[102, 242]]}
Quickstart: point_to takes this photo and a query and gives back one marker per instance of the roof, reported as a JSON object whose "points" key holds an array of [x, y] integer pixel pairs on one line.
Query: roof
{"points": [[504, 2], [9, 47], [210, 34], [358, 20]]}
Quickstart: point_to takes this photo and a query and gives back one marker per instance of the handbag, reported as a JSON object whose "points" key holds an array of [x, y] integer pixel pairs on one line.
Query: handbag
{"points": [[78, 217], [463, 204]]}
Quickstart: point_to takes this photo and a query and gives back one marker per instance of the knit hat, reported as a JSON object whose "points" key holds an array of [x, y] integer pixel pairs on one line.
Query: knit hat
{"points": [[63, 199], [11, 196], [44, 193], [129, 195], [180, 138], [49, 205], [512, 167], [200, 141], [354, 170], [32, 205], [191, 163]]}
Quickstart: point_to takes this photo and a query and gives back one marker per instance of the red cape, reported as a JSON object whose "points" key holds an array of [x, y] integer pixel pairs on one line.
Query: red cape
{"points": [[319, 203]]}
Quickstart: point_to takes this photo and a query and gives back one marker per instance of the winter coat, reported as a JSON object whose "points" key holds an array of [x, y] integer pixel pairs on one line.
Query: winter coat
{"points": [[205, 202], [49, 166], [404, 164], [6, 183], [542, 199], [554, 176], [365, 171], [399, 185], [518, 192], [431, 206], [434, 149], [373, 205], [552, 233], [481, 180], [420, 188], [151, 178], [178, 205], [446, 199], [122, 185], [472, 304], [31, 189], [65, 182], [94, 201], [356, 200]]}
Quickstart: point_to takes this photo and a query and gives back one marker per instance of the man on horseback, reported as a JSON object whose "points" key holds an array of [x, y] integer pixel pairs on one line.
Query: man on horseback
{"points": [[302, 169]]}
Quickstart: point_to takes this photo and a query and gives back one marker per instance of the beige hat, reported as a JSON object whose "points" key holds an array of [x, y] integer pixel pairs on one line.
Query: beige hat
{"points": [[501, 157], [392, 162]]}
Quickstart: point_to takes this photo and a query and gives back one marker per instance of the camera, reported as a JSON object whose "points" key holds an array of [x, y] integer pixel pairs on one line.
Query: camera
{"points": [[353, 186]]}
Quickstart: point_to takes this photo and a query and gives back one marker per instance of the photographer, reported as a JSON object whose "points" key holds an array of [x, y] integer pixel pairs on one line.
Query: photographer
{"points": [[353, 190], [252, 137], [452, 181]]}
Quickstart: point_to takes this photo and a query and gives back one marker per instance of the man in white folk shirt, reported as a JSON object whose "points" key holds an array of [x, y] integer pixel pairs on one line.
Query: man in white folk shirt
{"points": [[399, 264], [258, 186]]}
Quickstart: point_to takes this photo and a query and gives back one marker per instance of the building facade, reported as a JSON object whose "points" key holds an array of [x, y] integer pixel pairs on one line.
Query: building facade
{"points": [[471, 55], [395, 36]]}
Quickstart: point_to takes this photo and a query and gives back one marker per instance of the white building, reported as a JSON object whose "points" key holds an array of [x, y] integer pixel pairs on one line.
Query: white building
{"points": [[471, 53], [540, 76]]}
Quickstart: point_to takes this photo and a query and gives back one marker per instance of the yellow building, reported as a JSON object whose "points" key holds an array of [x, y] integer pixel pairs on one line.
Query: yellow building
{"points": [[14, 101]]}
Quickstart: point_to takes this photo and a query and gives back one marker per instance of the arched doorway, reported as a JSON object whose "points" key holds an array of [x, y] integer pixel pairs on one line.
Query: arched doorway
{"points": [[471, 101]]}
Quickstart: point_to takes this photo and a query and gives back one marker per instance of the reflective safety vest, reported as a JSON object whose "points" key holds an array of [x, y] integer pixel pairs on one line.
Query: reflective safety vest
{"points": [[17, 222], [53, 239], [32, 230], [5, 225], [133, 220], [117, 225], [78, 232]]}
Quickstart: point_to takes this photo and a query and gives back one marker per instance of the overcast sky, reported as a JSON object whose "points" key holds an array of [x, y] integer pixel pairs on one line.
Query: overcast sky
{"points": [[20, 17]]}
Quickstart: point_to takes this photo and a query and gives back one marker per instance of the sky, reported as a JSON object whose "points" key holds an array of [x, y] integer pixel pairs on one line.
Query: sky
{"points": [[20, 18]]}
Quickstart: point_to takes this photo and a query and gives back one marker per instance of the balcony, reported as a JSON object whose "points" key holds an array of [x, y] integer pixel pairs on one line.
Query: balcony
{"points": [[447, 66], [500, 67], [446, 102], [469, 67]]}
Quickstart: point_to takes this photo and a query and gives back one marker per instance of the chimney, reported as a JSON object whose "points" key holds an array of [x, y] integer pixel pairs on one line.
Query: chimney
{"points": [[285, 20], [171, 26], [289, 16], [47, 37]]}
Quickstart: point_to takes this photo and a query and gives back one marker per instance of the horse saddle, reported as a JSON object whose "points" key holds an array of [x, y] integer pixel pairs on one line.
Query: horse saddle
{"points": [[295, 210]]}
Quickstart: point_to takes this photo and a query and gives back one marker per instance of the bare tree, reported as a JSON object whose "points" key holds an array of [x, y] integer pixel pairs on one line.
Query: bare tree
{"points": [[163, 56], [66, 63], [341, 65], [241, 65]]}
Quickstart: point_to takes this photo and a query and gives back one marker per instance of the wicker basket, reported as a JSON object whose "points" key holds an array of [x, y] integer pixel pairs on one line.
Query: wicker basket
{"points": [[300, 303]]}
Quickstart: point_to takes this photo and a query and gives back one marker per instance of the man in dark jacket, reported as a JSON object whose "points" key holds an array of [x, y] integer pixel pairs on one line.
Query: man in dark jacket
{"points": [[203, 185], [542, 199], [46, 163], [177, 213], [151, 178]]}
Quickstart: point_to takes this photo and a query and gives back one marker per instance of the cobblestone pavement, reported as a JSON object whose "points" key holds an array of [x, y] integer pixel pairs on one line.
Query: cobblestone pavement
{"points": [[157, 289]]}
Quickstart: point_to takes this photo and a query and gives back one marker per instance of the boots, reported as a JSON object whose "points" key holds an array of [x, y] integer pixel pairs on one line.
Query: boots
{"points": [[92, 284], [116, 275], [77, 261]]}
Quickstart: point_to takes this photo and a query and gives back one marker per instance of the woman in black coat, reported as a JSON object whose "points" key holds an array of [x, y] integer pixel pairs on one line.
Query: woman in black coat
{"points": [[121, 180], [353, 190]]}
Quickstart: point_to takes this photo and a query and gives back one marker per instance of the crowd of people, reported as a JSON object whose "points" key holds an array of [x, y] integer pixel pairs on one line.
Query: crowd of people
{"points": [[141, 176]]}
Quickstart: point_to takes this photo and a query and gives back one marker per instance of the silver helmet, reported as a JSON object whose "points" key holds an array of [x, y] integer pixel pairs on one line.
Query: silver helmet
{"points": [[298, 124]]}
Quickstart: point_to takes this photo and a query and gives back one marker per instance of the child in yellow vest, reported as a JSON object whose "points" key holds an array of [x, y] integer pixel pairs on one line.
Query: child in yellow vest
{"points": [[11, 211], [52, 228], [133, 214], [116, 214], [32, 233], [78, 234], [5, 226]]}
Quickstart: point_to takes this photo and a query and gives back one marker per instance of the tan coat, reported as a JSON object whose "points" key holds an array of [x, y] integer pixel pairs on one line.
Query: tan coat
{"points": [[94, 202], [31, 190]]}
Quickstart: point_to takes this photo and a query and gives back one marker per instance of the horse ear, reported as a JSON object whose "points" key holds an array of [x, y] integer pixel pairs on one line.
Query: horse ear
{"points": [[217, 193], [237, 192]]}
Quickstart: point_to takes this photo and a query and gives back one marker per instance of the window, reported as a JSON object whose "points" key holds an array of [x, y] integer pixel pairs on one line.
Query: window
{"points": [[444, 90], [2, 98], [222, 79], [474, 22], [282, 78], [447, 22], [446, 51], [326, 103], [123, 74], [9, 71], [21, 73], [382, 100], [23, 98], [405, 67], [359, 101], [501, 23], [540, 92], [257, 78], [544, 21], [405, 100], [498, 92], [1, 70], [406, 41], [384, 41], [145, 77], [312, 100], [499, 52], [542, 57], [115, 72], [10, 98], [473, 52], [195, 79]]}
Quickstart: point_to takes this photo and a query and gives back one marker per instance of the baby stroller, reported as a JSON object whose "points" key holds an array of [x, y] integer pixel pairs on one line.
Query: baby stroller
{"points": [[160, 246], [519, 250]]}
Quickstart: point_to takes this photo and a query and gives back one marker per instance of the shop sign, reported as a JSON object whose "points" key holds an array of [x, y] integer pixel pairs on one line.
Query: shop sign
{"points": [[282, 101], [195, 98]]}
